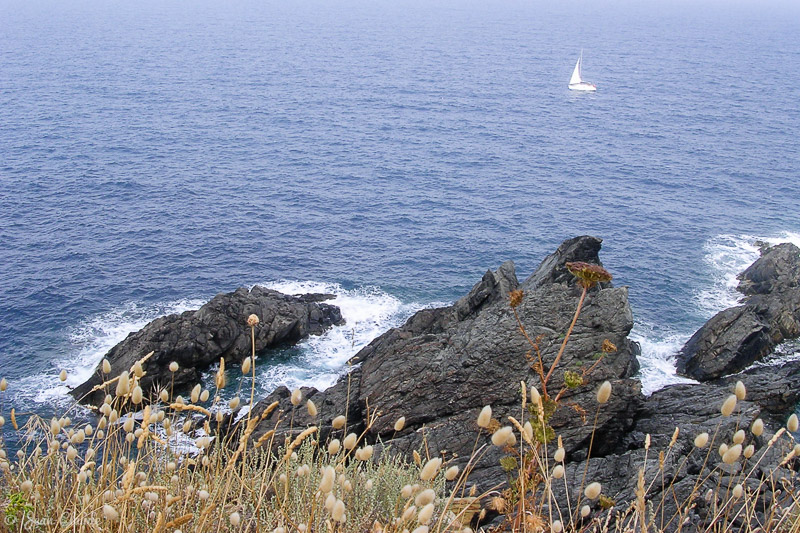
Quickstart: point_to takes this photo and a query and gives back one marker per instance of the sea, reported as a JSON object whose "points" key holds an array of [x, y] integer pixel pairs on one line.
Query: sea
{"points": [[156, 153]]}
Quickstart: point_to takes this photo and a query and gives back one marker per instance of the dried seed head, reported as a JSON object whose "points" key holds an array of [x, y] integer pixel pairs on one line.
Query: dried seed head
{"points": [[297, 397], [252, 320], [163, 395], [137, 369], [738, 491], [740, 391], [738, 437], [338, 422], [246, 366], [451, 473], [556, 526], [110, 513], [604, 392], [220, 379], [136, 395], [350, 441], [732, 454], [123, 385], [527, 429], [728, 405], [430, 469], [173, 366], [334, 446], [792, 423], [558, 471], [536, 398], [722, 449], [328, 478], [592, 490], [425, 497], [417, 458], [749, 451], [758, 427], [485, 417], [234, 403], [585, 510], [406, 491], [559, 455], [106, 366], [515, 297], [312, 409], [588, 274], [128, 425], [701, 440], [425, 514], [501, 436], [63, 375], [674, 438], [400, 423], [409, 513], [337, 513], [195, 395]]}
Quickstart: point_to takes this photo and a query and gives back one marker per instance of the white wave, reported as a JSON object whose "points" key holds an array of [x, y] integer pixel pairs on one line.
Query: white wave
{"points": [[657, 359], [88, 342], [727, 256]]}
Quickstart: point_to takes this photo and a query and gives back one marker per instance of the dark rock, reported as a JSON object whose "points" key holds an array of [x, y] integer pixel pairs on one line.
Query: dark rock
{"points": [[196, 339], [441, 367], [737, 337]]}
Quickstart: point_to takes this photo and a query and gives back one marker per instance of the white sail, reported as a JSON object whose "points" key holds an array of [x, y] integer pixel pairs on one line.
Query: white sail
{"points": [[576, 74]]}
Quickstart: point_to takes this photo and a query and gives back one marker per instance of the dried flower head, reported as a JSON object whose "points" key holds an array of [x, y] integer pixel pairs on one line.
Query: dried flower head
{"points": [[732, 454], [297, 397], [425, 497], [252, 320], [758, 427], [728, 405], [585, 510], [63, 375], [400, 423], [350, 441], [173, 366], [311, 408], [608, 346], [515, 298], [338, 422], [749, 451], [738, 437], [234, 517], [558, 471], [604, 392], [334, 446], [106, 366], [451, 473], [425, 514], [430, 469], [110, 513], [701, 440], [792, 423], [246, 365], [556, 526], [559, 455], [485, 417], [592, 490], [500, 437], [328, 478], [220, 379], [588, 274], [740, 391], [337, 513]]}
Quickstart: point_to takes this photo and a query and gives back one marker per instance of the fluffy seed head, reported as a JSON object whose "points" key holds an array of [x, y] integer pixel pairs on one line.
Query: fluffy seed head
{"points": [[123, 385], [758, 427], [246, 366], [585, 510], [501, 436], [604, 392], [738, 491], [137, 369], [559, 455], [723, 448], [337, 513], [558, 471], [136, 395], [592, 490], [173, 366], [63, 375], [128, 425], [338, 422], [738, 437], [196, 390], [400, 424], [312, 409], [110, 513], [740, 391], [366, 453], [106, 366], [334, 446], [430, 469], [328, 478], [701, 440], [728, 405], [536, 398], [749, 451], [350, 441], [297, 397], [235, 519], [425, 497], [451, 473], [732, 454], [556, 526], [425, 514], [485, 417], [252, 320], [234, 403], [220, 378], [792, 423]]}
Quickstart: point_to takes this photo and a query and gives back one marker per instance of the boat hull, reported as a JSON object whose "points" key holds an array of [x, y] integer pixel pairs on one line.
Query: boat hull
{"points": [[582, 86]]}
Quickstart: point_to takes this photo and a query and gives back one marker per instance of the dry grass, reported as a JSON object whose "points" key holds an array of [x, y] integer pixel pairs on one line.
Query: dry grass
{"points": [[145, 473]]}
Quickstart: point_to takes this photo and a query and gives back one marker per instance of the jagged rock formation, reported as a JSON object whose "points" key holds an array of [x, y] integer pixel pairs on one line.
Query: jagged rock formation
{"points": [[441, 367], [735, 338], [196, 339]]}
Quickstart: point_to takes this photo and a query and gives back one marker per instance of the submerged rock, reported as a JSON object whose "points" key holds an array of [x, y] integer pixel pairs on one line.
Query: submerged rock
{"points": [[197, 339], [737, 337]]}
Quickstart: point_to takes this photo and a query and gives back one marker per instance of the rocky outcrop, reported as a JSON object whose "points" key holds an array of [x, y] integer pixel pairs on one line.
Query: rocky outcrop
{"points": [[735, 338], [196, 339], [441, 367]]}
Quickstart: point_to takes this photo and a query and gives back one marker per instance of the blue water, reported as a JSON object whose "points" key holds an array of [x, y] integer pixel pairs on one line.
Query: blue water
{"points": [[155, 153]]}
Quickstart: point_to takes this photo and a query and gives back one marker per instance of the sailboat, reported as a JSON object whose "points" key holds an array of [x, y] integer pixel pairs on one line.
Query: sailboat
{"points": [[575, 82]]}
